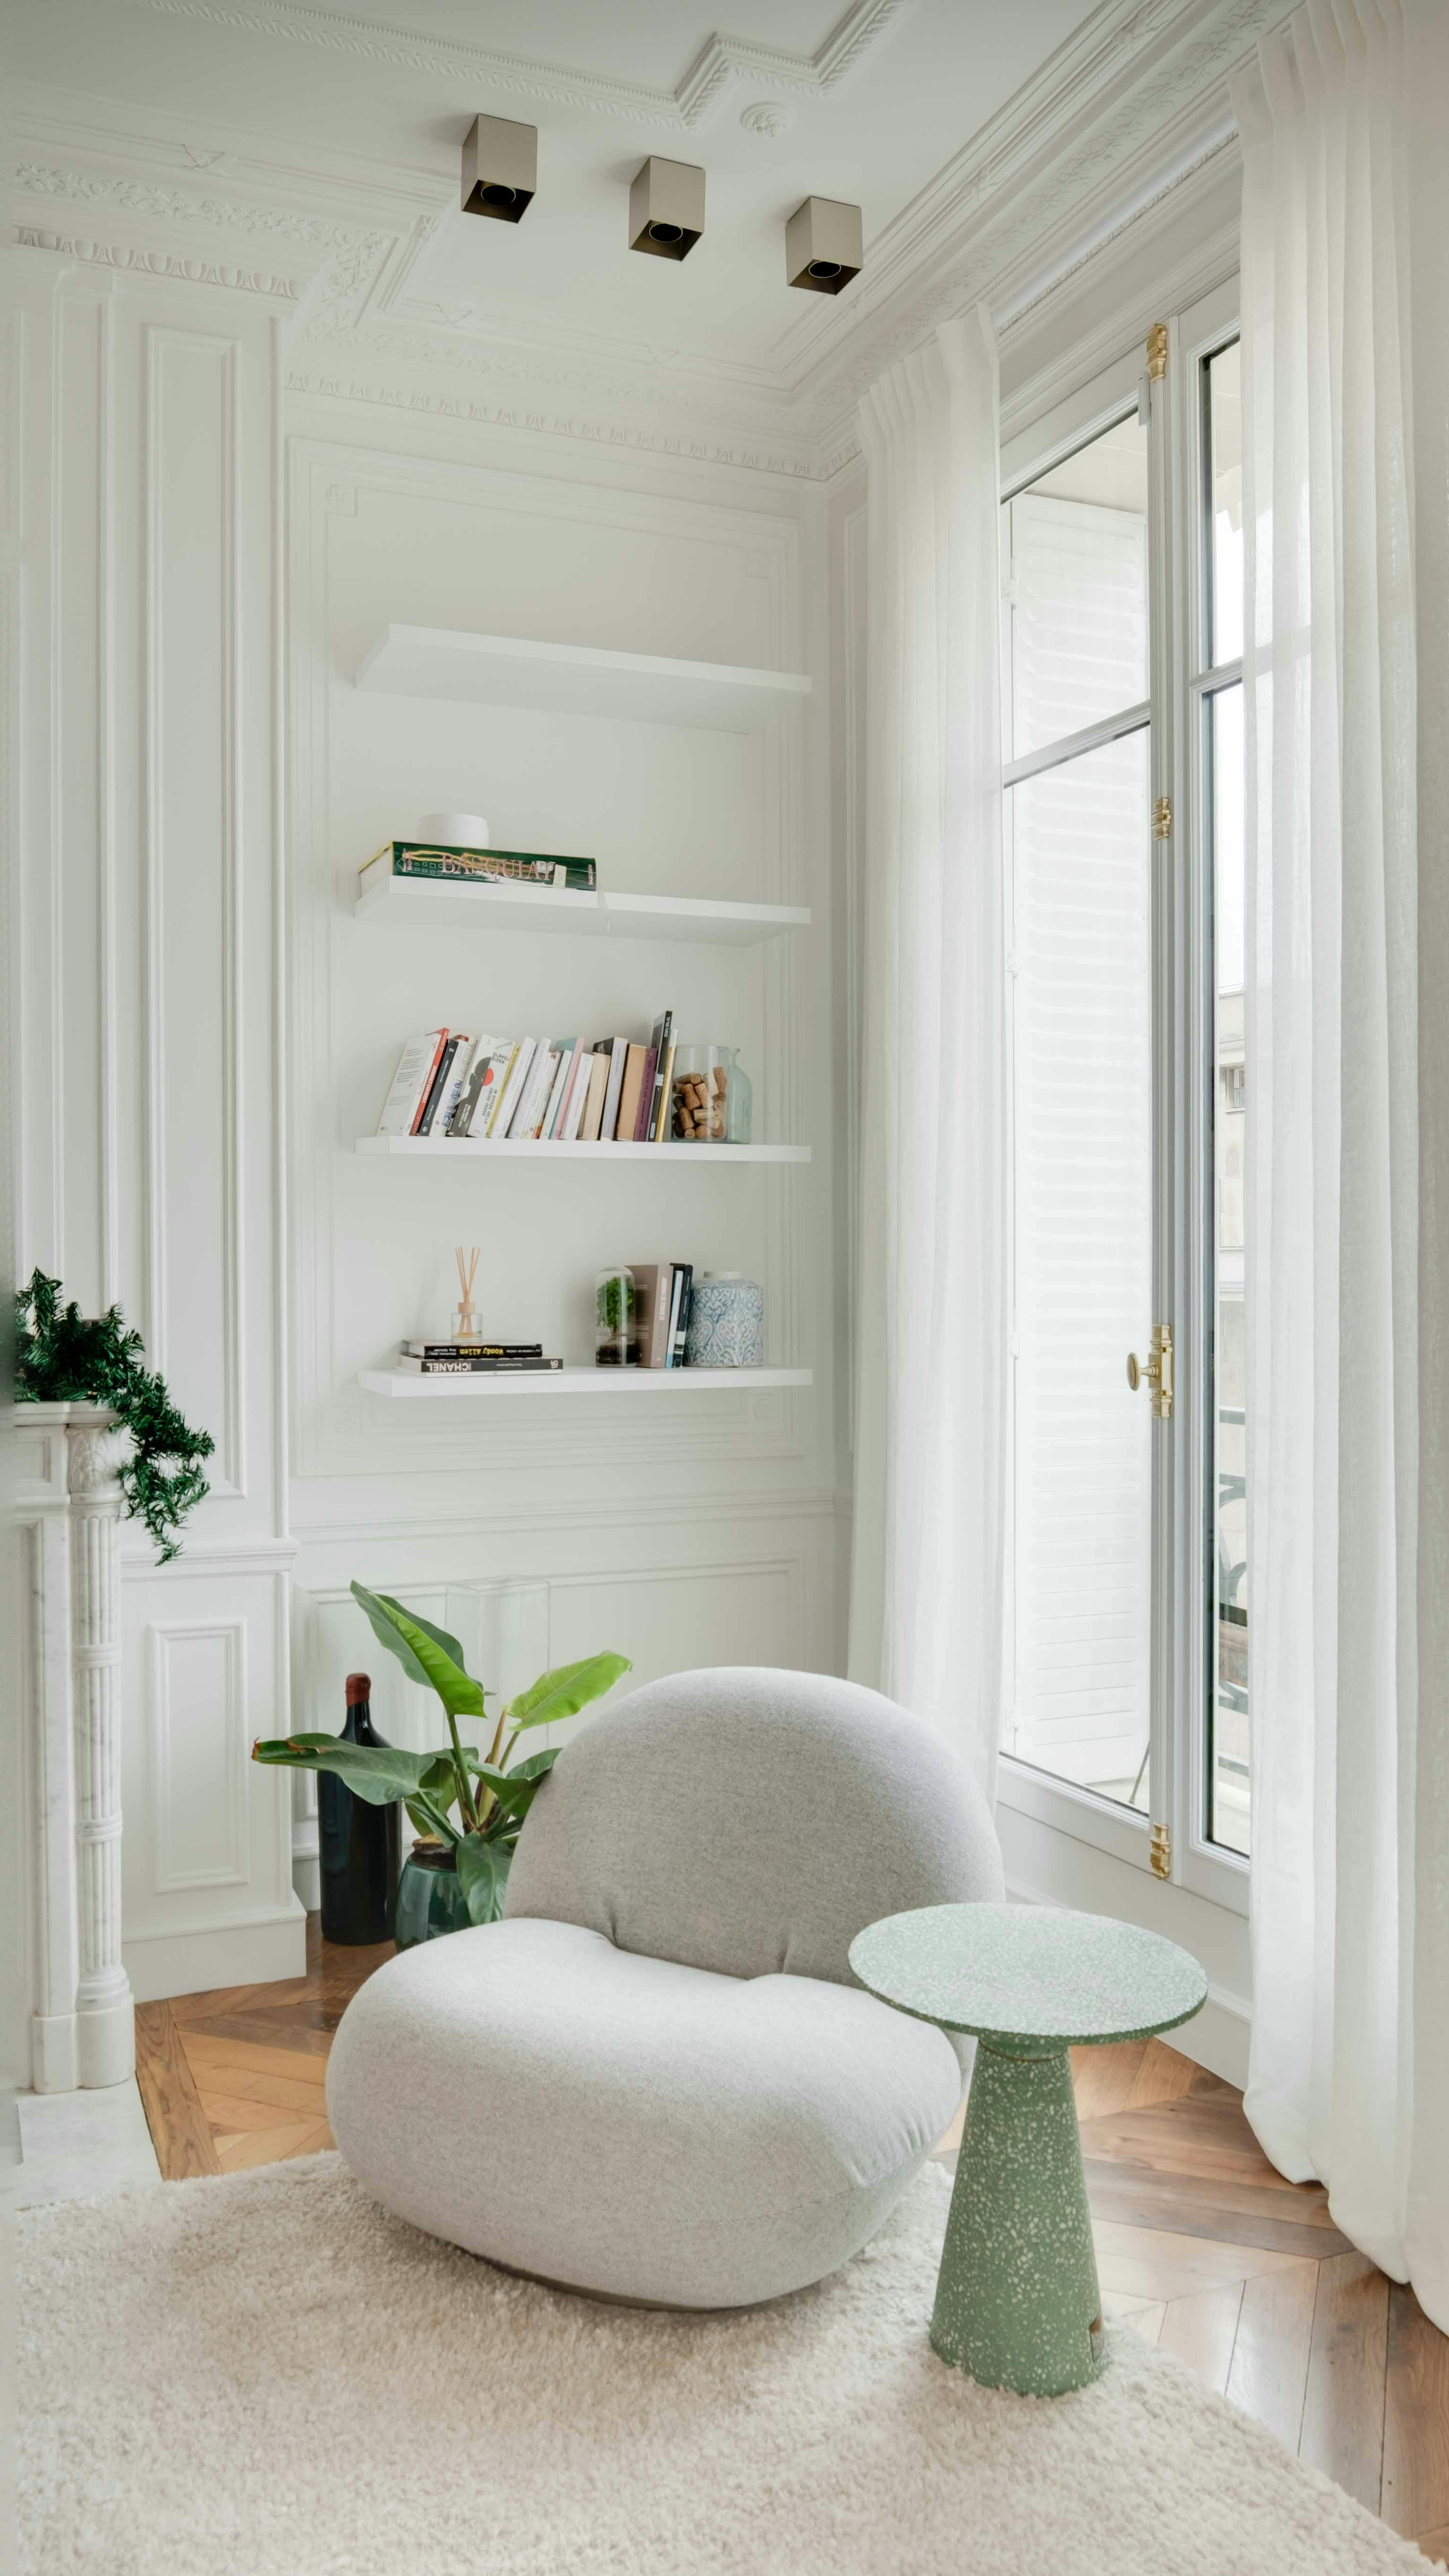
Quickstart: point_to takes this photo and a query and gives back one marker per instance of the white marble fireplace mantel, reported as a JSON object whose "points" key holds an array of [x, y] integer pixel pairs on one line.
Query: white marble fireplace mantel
{"points": [[69, 1505]]}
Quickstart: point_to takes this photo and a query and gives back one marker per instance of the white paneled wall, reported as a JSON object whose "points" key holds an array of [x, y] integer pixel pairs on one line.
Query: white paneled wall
{"points": [[203, 1029], [148, 941]]}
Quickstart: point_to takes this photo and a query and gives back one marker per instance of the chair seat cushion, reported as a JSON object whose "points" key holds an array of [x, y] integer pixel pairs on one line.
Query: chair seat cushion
{"points": [[628, 2125]]}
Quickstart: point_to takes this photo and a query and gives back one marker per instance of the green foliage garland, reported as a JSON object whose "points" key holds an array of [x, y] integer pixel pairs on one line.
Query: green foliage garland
{"points": [[65, 1357]]}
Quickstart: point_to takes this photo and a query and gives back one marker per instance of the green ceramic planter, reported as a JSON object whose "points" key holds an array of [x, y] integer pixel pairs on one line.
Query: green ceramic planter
{"points": [[430, 1899]]}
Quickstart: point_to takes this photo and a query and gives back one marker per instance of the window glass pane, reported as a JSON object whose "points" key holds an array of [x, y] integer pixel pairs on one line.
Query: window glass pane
{"points": [[1076, 544], [1225, 441], [1228, 1750], [1082, 1195]]}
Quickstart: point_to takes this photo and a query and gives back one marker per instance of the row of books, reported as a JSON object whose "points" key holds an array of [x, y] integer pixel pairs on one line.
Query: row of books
{"points": [[463, 1359], [595, 1090], [475, 867], [663, 1299]]}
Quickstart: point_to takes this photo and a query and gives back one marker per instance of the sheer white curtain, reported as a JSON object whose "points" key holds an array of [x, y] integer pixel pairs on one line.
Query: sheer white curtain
{"points": [[926, 1620], [1350, 1874]]}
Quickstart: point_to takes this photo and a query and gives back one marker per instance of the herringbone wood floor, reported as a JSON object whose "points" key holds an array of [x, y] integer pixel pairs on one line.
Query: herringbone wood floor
{"points": [[1201, 2247]]}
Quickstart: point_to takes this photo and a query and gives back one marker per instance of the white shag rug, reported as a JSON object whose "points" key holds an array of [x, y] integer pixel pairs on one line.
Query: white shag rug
{"points": [[267, 2376]]}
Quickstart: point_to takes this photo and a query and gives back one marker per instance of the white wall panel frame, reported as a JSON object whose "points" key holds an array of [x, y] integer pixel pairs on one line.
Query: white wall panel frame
{"points": [[173, 1830], [228, 1881], [321, 1667], [165, 345], [853, 648]]}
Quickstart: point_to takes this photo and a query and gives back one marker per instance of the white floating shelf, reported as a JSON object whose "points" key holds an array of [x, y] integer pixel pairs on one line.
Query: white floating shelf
{"points": [[446, 903], [457, 1147], [574, 679], [410, 1384]]}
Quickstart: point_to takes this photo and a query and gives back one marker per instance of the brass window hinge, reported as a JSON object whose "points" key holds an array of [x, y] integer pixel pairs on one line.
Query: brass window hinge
{"points": [[1157, 351], [1155, 1372], [1161, 1851], [1162, 819]]}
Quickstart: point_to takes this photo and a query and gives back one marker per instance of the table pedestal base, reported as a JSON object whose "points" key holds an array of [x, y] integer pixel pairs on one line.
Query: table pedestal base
{"points": [[1017, 2302]]}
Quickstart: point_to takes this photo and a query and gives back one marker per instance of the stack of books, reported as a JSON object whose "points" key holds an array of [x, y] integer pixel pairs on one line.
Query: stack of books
{"points": [[475, 867], [472, 1359], [593, 1090]]}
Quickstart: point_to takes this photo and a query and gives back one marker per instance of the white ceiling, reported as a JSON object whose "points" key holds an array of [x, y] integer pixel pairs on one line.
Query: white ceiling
{"points": [[872, 119]]}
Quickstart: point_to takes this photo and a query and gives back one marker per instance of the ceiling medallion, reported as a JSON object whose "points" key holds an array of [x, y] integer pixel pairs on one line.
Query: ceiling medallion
{"points": [[768, 118]]}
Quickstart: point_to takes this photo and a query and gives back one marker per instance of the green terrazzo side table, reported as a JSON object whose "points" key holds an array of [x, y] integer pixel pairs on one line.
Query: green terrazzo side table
{"points": [[1017, 2302]]}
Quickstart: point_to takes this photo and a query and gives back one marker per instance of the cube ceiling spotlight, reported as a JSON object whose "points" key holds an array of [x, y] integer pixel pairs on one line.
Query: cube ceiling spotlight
{"points": [[823, 245], [666, 208], [500, 168]]}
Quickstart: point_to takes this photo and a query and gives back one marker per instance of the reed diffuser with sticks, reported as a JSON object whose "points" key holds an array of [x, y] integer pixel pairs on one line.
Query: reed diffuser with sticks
{"points": [[465, 1320]]}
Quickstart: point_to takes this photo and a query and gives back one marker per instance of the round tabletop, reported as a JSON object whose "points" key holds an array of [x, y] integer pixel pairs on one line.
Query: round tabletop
{"points": [[1029, 1977]]}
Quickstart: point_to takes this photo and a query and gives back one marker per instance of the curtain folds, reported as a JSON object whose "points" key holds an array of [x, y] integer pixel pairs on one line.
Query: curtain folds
{"points": [[1344, 1873], [926, 1590]]}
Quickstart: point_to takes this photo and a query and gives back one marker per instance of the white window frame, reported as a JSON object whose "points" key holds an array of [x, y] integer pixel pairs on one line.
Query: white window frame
{"points": [[1208, 1868], [1182, 1522]]}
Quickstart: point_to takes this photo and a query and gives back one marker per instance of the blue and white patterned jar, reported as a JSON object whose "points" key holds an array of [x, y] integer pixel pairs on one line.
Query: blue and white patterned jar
{"points": [[726, 1323]]}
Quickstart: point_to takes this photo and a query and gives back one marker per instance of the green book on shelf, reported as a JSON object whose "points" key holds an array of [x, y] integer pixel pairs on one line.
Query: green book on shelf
{"points": [[476, 867]]}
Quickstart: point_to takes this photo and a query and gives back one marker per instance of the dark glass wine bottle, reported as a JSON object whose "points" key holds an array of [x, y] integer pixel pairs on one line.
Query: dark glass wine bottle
{"points": [[360, 1845]]}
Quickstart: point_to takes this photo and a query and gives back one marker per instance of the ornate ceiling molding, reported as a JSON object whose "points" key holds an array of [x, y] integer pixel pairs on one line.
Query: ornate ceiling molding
{"points": [[1129, 161], [155, 203], [721, 63], [767, 119], [1125, 124]]}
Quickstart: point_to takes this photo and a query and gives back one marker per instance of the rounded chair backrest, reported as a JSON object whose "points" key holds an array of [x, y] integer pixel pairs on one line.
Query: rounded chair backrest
{"points": [[751, 1821]]}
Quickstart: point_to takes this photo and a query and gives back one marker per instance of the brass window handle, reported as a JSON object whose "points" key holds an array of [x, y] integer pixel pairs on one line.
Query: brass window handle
{"points": [[1155, 1372]]}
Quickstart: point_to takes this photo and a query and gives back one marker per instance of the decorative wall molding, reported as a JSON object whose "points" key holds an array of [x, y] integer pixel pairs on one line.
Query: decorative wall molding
{"points": [[1208, 161], [165, 349], [1213, 259], [853, 643], [665, 1511], [225, 1704], [722, 62], [247, 1556], [12, 363], [795, 463], [158, 263]]}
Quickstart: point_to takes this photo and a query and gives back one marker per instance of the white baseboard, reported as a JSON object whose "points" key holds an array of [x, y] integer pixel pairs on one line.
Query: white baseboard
{"points": [[307, 1880], [257, 1952], [1216, 2038]]}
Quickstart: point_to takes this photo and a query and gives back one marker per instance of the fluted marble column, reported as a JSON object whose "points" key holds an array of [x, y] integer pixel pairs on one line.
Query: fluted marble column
{"points": [[43, 1510], [105, 2011]]}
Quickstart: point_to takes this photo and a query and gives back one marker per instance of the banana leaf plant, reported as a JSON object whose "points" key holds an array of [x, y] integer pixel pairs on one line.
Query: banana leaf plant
{"points": [[491, 1794]]}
